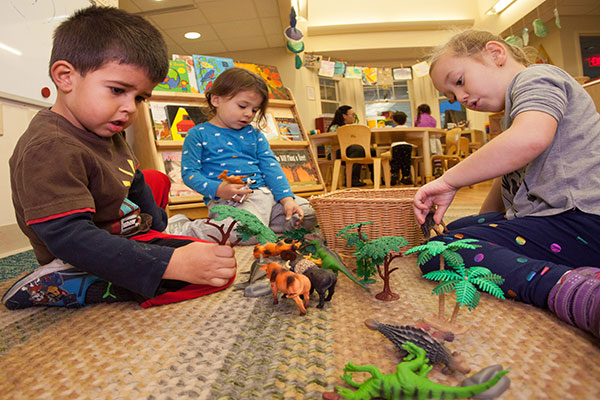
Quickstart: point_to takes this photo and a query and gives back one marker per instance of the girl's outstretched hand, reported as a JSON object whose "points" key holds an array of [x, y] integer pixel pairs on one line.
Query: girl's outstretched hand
{"points": [[437, 193]]}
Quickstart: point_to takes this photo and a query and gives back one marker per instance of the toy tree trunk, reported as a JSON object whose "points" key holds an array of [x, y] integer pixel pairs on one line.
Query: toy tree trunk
{"points": [[455, 313], [442, 296], [386, 294]]}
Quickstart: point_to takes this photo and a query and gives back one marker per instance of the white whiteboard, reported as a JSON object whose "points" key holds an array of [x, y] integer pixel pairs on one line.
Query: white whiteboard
{"points": [[26, 29]]}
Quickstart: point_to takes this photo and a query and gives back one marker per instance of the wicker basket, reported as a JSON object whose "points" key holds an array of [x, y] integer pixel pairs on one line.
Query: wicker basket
{"points": [[390, 210]]}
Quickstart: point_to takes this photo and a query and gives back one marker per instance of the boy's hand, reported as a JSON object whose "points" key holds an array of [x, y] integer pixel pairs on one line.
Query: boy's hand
{"points": [[233, 191], [438, 193], [202, 263], [290, 208]]}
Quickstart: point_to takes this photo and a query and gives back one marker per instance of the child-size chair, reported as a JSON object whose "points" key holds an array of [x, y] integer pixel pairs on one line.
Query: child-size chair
{"points": [[456, 150], [359, 135]]}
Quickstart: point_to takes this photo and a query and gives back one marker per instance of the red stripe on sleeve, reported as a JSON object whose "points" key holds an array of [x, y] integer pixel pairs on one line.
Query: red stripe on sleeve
{"points": [[56, 216]]}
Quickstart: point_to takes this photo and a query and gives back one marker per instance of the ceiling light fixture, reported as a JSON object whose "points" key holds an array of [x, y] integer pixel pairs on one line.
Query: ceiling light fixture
{"points": [[192, 35], [500, 6]]}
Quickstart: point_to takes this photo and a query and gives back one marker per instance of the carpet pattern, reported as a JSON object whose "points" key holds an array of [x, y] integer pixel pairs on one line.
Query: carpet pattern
{"points": [[226, 346]]}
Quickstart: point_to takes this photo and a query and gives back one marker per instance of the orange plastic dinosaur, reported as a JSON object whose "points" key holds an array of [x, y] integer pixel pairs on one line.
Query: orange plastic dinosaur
{"points": [[232, 178]]}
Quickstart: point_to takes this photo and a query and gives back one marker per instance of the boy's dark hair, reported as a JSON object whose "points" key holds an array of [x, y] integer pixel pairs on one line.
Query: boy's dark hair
{"points": [[235, 80], [94, 36], [399, 117]]}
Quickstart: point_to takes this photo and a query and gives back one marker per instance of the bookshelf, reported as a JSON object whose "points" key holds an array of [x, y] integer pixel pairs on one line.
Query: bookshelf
{"points": [[150, 151]]}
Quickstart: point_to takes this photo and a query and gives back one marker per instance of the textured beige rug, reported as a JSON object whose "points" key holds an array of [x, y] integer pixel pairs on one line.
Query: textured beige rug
{"points": [[226, 346]]}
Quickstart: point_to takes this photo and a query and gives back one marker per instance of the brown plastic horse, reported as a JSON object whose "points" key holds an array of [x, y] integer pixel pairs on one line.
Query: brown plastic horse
{"points": [[290, 284]]}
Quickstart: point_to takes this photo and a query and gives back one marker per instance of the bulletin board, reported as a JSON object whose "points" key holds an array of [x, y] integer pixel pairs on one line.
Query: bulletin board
{"points": [[26, 29]]}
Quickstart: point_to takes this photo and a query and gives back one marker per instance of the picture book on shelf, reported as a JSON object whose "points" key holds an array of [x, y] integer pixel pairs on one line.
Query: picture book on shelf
{"points": [[182, 118], [177, 79], [288, 129], [207, 68], [268, 128], [172, 161], [160, 123], [297, 166], [271, 75], [189, 63]]}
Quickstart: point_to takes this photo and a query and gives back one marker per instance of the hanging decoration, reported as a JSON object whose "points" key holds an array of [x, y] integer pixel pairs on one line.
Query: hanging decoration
{"points": [[525, 35], [539, 28], [327, 68], [353, 72], [339, 68], [312, 60], [556, 18], [514, 40], [294, 37]]}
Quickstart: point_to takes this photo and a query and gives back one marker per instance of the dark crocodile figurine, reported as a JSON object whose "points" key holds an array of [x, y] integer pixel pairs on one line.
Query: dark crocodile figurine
{"points": [[436, 351]]}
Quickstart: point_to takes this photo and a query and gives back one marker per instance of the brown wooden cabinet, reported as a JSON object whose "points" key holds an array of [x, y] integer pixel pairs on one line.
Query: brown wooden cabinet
{"points": [[149, 150]]}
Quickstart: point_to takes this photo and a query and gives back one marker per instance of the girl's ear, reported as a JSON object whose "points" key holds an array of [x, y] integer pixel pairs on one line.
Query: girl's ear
{"points": [[214, 100], [497, 51], [62, 73]]}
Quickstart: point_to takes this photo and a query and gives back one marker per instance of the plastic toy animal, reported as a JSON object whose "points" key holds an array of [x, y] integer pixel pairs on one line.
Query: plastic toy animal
{"points": [[430, 225], [291, 284], [436, 351], [332, 261], [323, 281], [409, 382], [287, 251], [484, 375], [238, 180]]}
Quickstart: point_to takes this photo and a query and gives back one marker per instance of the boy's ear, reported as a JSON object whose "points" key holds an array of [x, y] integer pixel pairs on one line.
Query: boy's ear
{"points": [[62, 73], [497, 51], [214, 100]]}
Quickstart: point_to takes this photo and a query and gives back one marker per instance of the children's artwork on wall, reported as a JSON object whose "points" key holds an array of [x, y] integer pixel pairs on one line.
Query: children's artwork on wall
{"points": [[268, 128], [297, 166], [207, 69], [353, 72], [172, 162], [189, 63], [402, 74], [339, 68], [327, 68], [177, 79], [421, 69], [288, 128], [542, 56], [312, 60], [182, 118], [384, 76], [369, 76], [271, 75]]}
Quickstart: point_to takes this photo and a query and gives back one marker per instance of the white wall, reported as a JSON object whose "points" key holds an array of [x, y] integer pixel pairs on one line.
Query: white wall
{"points": [[14, 120]]}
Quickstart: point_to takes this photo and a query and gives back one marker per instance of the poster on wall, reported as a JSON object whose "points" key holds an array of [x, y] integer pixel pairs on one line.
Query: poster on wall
{"points": [[327, 68], [402, 74]]}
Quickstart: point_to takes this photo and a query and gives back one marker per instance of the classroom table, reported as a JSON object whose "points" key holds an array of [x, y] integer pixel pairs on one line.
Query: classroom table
{"points": [[382, 138]]}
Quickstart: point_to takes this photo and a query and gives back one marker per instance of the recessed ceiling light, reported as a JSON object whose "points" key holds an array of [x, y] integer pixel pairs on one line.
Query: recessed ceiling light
{"points": [[192, 35]]}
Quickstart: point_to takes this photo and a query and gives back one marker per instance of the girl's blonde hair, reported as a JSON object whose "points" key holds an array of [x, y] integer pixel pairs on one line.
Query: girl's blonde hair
{"points": [[235, 80], [472, 42]]}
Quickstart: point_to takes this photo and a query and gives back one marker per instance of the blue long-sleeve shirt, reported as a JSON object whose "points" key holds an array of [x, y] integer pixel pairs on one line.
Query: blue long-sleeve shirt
{"points": [[208, 150]]}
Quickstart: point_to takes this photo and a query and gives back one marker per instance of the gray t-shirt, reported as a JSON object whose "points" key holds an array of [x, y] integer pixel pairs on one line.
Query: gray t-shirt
{"points": [[567, 174]]}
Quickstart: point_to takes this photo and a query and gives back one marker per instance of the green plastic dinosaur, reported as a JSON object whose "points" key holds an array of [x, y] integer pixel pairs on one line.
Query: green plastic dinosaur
{"points": [[409, 382], [333, 262]]}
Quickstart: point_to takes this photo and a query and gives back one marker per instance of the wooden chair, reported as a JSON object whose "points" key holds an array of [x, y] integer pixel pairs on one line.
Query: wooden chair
{"points": [[456, 150], [359, 135]]}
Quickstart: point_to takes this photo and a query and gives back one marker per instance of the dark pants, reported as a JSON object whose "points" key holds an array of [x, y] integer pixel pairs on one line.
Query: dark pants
{"points": [[401, 156], [530, 253], [356, 152]]}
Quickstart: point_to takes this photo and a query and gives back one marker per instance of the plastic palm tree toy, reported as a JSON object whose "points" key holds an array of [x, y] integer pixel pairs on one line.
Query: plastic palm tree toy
{"points": [[381, 252], [449, 256], [465, 282], [357, 240], [249, 225]]}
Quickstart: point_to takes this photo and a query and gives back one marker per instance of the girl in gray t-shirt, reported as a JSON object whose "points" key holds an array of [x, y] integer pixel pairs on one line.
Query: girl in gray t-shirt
{"points": [[539, 227]]}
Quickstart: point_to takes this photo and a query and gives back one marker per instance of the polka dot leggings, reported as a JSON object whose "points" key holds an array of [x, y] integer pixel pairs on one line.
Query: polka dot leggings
{"points": [[531, 253]]}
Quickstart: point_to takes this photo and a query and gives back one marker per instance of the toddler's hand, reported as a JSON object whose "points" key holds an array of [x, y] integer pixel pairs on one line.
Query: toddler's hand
{"points": [[233, 191], [202, 263], [438, 193], [290, 208]]}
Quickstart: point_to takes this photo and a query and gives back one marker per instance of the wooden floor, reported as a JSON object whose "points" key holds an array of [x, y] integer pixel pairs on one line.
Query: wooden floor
{"points": [[12, 241]]}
